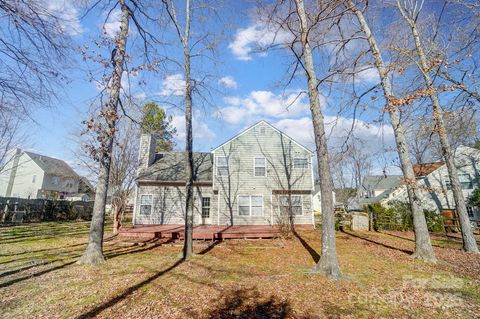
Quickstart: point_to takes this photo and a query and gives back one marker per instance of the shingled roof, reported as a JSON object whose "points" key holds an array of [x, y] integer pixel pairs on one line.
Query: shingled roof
{"points": [[170, 167], [52, 166], [381, 182], [425, 168]]}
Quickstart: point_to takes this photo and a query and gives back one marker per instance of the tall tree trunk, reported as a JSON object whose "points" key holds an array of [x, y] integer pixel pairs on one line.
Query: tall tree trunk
{"points": [[188, 243], [94, 251], [328, 264], [469, 243], [423, 245], [116, 207]]}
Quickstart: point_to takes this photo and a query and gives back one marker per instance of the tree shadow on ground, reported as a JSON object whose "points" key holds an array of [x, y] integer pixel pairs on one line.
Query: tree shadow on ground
{"points": [[248, 303], [97, 310], [108, 253], [409, 239], [310, 249], [210, 247], [406, 251]]}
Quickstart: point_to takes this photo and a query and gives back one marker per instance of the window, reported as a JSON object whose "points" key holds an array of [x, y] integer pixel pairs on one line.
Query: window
{"points": [[260, 166], [465, 181], [256, 206], [222, 166], [296, 202], [244, 205], [250, 205], [34, 178], [262, 131], [470, 211], [205, 207], [55, 180], [448, 184], [146, 204], [301, 163]]}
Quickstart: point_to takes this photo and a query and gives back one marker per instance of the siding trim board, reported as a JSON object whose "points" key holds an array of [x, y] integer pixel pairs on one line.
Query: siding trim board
{"points": [[291, 192], [172, 183]]}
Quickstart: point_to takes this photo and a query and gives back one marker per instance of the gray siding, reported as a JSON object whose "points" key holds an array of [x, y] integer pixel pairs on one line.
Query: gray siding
{"points": [[261, 141], [169, 204]]}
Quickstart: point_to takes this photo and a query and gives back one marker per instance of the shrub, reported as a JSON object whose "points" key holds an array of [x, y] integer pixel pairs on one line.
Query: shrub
{"points": [[398, 216]]}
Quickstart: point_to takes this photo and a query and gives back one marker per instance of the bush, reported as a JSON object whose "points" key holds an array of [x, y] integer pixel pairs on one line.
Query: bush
{"points": [[398, 216], [434, 220]]}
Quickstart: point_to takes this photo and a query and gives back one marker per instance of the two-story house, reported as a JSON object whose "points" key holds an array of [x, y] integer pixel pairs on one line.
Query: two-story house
{"points": [[258, 177], [30, 175]]}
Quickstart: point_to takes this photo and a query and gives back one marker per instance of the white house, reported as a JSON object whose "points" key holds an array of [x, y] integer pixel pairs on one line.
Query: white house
{"points": [[30, 175], [435, 183], [317, 198]]}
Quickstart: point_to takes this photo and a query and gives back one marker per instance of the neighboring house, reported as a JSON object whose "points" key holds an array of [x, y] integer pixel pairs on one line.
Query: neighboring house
{"points": [[30, 175], [317, 199], [252, 179], [434, 184], [374, 189]]}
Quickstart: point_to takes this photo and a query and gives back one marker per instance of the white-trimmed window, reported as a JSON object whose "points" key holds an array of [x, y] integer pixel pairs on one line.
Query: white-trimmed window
{"points": [[250, 205], [205, 207], [34, 178], [222, 165], [55, 180], [465, 181], [146, 204], [296, 202], [301, 163], [260, 166]]}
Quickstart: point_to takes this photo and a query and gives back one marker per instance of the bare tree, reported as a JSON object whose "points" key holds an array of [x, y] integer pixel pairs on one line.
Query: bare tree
{"points": [[10, 137], [229, 180], [183, 34], [106, 129], [423, 246], [287, 181], [328, 264], [33, 46], [461, 126], [411, 13], [123, 170], [185, 17]]}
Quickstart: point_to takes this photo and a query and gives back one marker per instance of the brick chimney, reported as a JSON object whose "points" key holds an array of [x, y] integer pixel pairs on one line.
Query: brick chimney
{"points": [[146, 155]]}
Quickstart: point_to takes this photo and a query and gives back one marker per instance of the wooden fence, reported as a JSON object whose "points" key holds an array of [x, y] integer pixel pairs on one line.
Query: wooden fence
{"points": [[21, 210]]}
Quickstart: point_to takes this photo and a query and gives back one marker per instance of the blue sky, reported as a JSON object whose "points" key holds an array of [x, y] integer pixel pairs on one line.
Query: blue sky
{"points": [[246, 88]]}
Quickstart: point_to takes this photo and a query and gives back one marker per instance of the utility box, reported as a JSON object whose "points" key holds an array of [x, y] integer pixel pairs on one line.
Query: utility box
{"points": [[360, 221]]}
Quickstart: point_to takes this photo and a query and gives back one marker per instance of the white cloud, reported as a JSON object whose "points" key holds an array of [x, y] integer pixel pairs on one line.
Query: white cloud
{"points": [[300, 130], [173, 85], [256, 36], [200, 129], [368, 75], [140, 96], [338, 129], [112, 26], [263, 104], [67, 14], [228, 82]]}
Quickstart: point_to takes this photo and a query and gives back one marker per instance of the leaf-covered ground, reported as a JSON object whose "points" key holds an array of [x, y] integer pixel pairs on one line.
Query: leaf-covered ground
{"points": [[232, 279]]}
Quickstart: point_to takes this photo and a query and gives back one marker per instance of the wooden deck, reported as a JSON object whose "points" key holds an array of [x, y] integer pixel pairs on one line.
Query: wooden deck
{"points": [[205, 232]]}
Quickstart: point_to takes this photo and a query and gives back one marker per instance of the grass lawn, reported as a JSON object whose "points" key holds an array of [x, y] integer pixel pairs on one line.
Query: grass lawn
{"points": [[231, 279]]}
